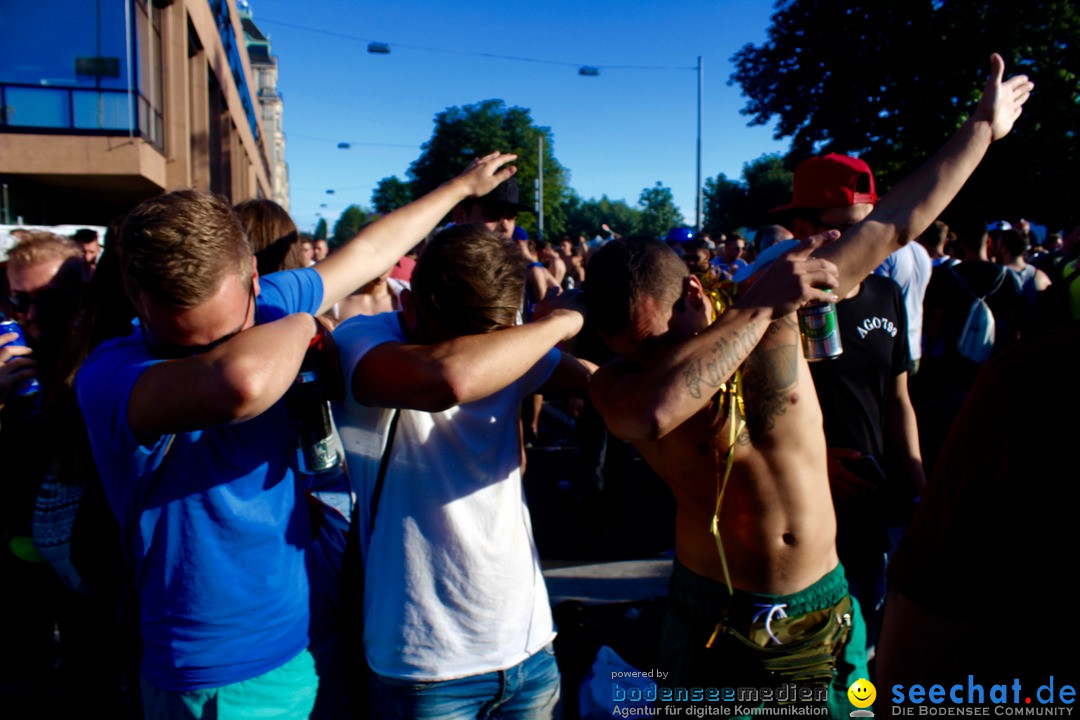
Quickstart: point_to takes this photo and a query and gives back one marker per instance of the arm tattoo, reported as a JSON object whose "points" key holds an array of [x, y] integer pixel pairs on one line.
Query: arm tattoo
{"points": [[719, 364]]}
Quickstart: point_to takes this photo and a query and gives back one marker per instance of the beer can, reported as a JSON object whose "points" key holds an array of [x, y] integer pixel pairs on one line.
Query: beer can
{"points": [[26, 387], [820, 331]]}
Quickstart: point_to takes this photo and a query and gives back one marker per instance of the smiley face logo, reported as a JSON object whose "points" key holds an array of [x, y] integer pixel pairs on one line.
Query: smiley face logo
{"points": [[862, 693]]}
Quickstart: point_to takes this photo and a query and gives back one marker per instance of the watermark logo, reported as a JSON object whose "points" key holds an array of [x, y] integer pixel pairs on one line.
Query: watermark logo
{"points": [[862, 694]]}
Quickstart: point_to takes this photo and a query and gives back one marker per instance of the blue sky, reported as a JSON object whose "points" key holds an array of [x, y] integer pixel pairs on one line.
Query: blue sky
{"points": [[617, 133]]}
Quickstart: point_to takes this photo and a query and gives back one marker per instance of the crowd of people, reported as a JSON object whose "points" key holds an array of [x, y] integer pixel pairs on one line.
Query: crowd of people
{"points": [[159, 511]]}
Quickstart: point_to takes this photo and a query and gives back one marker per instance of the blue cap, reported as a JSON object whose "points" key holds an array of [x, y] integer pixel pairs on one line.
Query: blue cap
{"points": [[679, 234]]}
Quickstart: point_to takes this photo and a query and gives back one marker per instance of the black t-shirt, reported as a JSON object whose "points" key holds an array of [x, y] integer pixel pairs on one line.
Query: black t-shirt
{"points": [[854, 388]]}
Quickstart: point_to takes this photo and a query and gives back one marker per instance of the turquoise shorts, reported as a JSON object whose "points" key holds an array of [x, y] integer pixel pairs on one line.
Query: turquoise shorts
{"points": [[285, 693]]}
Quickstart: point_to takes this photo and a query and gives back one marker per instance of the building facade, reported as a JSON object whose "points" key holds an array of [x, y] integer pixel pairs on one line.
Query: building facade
{"points": [[105, 104], [271, 106]]}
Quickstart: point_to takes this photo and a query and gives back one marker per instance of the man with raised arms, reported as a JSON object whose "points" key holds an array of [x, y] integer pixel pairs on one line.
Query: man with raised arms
{"points": [[675, 394]]}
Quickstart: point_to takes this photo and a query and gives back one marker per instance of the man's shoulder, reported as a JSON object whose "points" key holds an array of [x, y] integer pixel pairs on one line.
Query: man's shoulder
{"points": [[361, 333], [289, 291], [113, 356], [881, 285], [385, 325]]}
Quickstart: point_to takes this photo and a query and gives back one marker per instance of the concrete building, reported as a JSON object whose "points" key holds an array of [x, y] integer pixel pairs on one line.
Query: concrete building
{"points": [[105, 104], [271, 108]]}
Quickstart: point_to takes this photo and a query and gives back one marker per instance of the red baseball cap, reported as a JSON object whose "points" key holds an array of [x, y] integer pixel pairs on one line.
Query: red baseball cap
{"points": [[830, 181]]}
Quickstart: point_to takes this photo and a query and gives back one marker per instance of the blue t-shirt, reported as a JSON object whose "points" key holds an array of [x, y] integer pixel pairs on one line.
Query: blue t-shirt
{"points": [[213, 520]]}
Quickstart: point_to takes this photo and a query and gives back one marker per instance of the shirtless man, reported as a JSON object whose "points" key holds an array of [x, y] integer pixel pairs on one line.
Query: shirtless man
{"points": [[776, 521]]}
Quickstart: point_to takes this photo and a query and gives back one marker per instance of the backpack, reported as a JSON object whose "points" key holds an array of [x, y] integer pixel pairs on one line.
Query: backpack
{"points": [[976, 340]]}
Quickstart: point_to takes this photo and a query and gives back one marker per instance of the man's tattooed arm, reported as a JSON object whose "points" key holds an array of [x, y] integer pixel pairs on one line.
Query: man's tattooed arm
{"points": [[719, 363]]}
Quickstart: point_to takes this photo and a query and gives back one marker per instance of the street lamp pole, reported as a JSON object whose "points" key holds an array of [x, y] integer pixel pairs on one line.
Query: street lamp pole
{"points": [[700, 114], [540, 189]]}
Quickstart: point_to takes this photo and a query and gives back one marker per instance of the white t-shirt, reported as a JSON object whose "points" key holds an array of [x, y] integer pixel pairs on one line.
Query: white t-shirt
{"points": [[453, 581], [910, 268]]}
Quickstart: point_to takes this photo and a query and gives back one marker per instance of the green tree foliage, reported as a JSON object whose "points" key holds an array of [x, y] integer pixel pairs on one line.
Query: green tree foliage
{"points": [[724, 204], [352, 219], [464, 133], [390, 194], [320, 229], [891, 81], [586, 217], [658, 211], [768, 185], [765, 184]]}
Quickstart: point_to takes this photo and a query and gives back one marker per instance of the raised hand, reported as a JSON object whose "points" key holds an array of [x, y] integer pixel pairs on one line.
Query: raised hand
{"points": [[1002, 102], [483, 174], [793, 279]]}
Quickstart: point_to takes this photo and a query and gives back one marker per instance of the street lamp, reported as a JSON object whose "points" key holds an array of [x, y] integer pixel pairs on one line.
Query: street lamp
{"points": [[590, 71], [378, 48]]}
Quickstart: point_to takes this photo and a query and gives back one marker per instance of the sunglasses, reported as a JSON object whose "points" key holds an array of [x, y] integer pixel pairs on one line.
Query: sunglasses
{"points": [[174, 351], [21, 300]]}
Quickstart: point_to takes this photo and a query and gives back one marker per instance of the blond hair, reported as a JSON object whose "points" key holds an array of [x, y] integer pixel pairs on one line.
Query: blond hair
{"points": [[39, 246], [176, 248]]}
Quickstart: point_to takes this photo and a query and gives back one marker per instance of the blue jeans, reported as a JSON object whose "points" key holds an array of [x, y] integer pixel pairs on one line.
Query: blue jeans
{"points": [[529, 690]]}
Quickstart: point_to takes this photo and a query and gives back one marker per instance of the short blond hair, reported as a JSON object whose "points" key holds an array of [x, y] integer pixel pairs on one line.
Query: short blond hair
{"points": [[176, 248], [39, 246]]}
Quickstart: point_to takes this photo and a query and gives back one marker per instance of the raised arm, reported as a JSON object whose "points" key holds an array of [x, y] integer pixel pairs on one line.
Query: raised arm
{"points": [[379, 245], [234, 382], [646, 403], [468, 368], [909, 208]]}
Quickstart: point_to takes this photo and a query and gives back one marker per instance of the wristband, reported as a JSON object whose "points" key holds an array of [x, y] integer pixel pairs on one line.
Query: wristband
{"points": [[531, 265]]}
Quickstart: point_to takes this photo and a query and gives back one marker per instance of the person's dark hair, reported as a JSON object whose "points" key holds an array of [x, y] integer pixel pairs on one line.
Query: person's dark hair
{"points": [[935, 235], [625, 270], [469, 281], [176, 248], [1014, 242], [85, 236], [272, 234], [971, 235], [694, 246]]}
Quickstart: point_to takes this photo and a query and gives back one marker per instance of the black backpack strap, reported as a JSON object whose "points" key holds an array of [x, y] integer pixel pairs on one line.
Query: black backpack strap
{"points": [[383, 465]]}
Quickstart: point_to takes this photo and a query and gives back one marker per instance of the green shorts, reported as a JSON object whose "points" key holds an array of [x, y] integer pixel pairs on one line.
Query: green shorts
{"points": [[696, 604], [287, 693]]}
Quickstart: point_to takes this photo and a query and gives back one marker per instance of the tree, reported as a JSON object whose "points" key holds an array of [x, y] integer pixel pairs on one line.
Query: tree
{"points": [[724, 203], [768, 185], [765, 184], [658, 211], [320, 229], [390, 194], [586, 217], [464, 133], [352, 219], [891, 81]]}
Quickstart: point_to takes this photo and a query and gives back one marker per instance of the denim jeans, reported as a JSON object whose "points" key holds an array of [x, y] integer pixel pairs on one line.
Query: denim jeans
{"points": [[529, 690]]}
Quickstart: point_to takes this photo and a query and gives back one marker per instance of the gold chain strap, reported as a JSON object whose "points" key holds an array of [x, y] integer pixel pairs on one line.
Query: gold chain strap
{"points": [[731, 404]]}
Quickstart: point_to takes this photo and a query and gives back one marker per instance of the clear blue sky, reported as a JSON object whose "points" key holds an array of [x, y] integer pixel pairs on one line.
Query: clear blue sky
{"points": [[617, 133]]}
